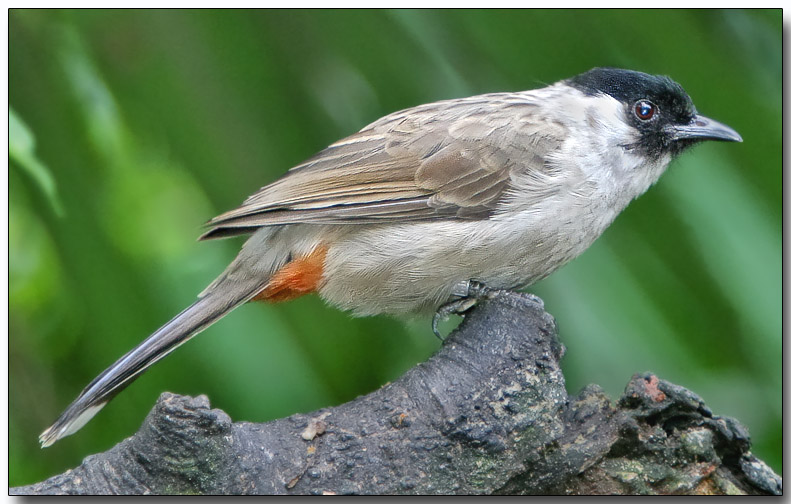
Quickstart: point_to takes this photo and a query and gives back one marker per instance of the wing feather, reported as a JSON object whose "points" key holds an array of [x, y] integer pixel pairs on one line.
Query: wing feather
{"points": [[446, 160]]}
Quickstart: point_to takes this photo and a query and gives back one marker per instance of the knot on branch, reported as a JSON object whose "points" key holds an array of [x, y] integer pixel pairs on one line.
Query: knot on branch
{"points": [[185, 439]]}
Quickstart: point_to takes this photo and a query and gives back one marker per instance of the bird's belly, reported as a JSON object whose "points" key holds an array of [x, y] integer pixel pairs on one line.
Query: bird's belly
{"points": [[414, 267]]}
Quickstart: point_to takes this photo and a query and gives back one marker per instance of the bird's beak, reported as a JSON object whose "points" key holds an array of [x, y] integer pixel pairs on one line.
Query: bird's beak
{"points": [[703, 128]]}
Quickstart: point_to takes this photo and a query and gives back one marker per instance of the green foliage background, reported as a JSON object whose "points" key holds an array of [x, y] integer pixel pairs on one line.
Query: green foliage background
{"points": [[129, 129]]}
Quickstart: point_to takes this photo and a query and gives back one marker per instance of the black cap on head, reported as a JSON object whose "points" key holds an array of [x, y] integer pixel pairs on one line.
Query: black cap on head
{"points": [[628, 86], [672, 104]]}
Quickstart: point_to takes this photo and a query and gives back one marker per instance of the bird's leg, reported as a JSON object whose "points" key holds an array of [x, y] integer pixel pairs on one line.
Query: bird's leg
{"points": [[469, 292]]}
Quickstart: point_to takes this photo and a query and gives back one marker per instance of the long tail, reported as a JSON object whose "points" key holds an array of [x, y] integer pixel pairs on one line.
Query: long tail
{"points": [[218, 300]]}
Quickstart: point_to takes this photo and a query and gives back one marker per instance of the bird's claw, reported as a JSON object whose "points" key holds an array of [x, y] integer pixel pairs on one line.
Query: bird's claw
{"points": [[469, 293]]}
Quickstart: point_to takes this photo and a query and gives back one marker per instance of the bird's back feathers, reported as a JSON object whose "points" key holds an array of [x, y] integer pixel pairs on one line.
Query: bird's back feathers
{"points": [[437, 161]]}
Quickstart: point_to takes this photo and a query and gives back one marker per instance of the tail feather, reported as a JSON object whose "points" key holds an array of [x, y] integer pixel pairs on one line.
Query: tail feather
{"points": [[212, 306]]}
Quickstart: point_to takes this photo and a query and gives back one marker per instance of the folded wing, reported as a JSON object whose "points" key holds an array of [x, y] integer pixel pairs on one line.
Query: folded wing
{"points": [[446, 160]]}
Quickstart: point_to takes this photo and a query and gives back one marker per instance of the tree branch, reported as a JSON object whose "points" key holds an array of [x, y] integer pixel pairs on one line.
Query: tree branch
{"points": [[487, 414]]}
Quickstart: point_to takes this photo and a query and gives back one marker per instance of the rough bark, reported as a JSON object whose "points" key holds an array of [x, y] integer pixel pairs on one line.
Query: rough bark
{"points": [[488, 414]]}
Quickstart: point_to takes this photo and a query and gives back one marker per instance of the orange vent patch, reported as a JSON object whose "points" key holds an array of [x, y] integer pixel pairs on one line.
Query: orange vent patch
{"points": [[299, 277]]}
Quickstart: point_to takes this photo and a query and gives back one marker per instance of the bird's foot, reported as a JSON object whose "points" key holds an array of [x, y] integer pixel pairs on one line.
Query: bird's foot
{"points": [[469, 293]]}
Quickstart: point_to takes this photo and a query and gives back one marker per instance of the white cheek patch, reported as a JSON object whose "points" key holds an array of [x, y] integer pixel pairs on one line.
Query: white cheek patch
{"points": [[609, 110], [606, 116], [571, 105]]}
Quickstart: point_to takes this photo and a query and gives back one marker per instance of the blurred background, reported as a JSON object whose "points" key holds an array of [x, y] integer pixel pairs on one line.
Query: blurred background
{"points": [[130, 129]]}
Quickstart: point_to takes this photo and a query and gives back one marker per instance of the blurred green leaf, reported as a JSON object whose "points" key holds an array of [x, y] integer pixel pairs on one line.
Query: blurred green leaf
{"points": [[21, 150]]}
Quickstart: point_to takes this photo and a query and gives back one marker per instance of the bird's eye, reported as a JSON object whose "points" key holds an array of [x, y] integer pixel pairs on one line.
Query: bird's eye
{"points": [[644, 110]]}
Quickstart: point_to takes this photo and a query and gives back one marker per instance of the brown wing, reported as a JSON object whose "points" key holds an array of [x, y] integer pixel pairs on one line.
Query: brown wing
{"points": [[450, 160]]}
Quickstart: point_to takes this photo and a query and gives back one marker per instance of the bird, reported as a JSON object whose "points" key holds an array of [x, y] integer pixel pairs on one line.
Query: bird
{"points": [[405, 216]]}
